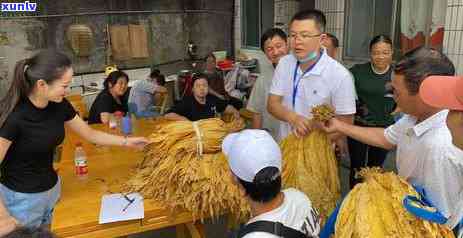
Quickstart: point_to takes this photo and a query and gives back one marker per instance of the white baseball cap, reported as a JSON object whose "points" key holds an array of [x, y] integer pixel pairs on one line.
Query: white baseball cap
{"points": [[249, 151]]}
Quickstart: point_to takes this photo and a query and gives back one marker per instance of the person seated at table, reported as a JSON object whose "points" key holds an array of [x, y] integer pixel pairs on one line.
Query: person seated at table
{"points": [[34, 113], [24, 232], [254, 158], [143, 94], [111, 99], [216, 83], [201, 105]]}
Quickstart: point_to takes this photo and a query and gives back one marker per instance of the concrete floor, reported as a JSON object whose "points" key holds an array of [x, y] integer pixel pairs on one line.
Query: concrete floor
{"points": [[218, 228]]}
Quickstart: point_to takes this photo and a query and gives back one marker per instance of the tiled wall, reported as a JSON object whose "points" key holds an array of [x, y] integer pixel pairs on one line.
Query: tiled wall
{"points": [[284, 11], [453, 36], [334, 12], [237, 25]]}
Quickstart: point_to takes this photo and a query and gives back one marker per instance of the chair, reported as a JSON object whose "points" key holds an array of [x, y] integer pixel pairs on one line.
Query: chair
{"points": [[160, 102]]}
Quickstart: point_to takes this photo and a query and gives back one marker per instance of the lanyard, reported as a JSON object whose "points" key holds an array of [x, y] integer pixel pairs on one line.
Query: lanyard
{"points": [[297, 81]]}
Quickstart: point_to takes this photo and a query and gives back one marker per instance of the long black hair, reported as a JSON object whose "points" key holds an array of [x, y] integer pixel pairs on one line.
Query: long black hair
{"points": [[47, 65]]}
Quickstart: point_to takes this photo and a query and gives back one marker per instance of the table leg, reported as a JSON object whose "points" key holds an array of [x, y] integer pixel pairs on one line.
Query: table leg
{"points": [[196, 230], [180, 231]]}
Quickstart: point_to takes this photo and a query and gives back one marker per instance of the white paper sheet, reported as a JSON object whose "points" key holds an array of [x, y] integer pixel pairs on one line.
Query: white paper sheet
{"points": [[112, 206]]}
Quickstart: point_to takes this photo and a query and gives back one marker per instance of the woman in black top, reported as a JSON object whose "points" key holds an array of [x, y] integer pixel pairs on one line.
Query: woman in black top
{"points": [[111, 99], [201, 105], [34, 113]]}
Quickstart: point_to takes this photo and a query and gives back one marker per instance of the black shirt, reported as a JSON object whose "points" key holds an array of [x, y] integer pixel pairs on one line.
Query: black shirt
{"points": [[105, 102], [193, 110], [34, 134]]}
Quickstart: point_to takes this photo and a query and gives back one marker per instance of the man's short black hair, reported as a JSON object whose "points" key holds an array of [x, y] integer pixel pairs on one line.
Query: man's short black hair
{"points": [[23, 232], [311, 14], [420, 63], [266, 185], [269, 34], [197, 76], [333, 39]]}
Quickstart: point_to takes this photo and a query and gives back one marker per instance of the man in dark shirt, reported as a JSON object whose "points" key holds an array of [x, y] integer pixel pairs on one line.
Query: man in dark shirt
{"points": [[200, 105]]}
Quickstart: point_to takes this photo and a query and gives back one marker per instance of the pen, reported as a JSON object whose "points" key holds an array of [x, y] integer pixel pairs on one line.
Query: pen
{"points": [[130, 201], [128, 204]]}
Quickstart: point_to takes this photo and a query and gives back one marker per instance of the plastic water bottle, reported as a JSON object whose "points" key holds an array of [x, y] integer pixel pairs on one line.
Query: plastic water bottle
{"points": [[118, 117], [80, 161], [126, 125]]}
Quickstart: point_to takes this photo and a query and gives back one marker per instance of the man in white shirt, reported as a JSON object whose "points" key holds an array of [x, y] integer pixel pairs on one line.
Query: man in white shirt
{"points": [[273, 44], [447, 92], [255, 162], [426, 156], [309, 77]]}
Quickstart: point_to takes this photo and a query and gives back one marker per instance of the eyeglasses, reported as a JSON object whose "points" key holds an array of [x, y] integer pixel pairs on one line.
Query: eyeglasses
{"points": [[303, 36]]}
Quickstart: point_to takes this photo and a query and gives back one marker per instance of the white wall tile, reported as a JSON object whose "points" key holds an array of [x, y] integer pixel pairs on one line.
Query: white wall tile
{"points": [[451, 43], [448, 19], [459, 21], [445, 44], [341, 20], [458, 42], [341, 5], [341, 37], [454, 18]]}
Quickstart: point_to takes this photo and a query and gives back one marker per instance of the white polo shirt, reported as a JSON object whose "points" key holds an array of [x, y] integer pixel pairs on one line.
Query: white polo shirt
{"points": [[296, 212], [328, 82], [427, 157]]}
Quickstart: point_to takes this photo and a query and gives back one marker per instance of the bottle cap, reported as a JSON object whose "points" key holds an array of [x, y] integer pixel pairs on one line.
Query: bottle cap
{"points": [[118, 113]]}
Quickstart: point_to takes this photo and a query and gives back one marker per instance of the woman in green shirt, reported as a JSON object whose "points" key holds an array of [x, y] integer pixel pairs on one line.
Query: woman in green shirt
{"points": [[374, 104]]}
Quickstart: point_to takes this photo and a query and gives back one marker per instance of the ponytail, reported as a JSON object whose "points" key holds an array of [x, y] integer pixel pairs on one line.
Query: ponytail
{"points": [[19, 87], [47, 65]]}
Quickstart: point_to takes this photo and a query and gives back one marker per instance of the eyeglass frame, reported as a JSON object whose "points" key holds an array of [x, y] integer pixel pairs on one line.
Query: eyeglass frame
{"points": [[303, 38]]}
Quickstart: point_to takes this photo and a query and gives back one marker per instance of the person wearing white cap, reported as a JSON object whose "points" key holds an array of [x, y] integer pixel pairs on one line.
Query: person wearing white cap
{"points": [[255, 162]]}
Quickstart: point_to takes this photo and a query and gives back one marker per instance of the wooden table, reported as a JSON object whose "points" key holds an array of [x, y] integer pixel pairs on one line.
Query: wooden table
{"points": [[77, 212]]}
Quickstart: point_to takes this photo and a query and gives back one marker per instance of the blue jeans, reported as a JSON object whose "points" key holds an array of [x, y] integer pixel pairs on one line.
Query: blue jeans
{"points": [[31, 209]]}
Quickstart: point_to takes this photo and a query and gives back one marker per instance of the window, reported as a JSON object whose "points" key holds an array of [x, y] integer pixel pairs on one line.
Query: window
{"points": [[366, 19], [256, 18]]}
